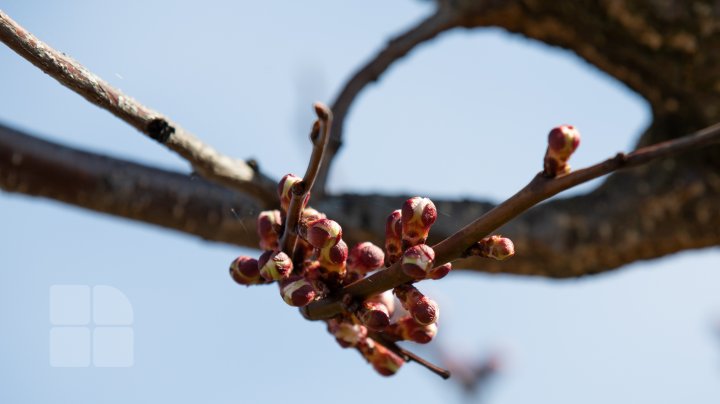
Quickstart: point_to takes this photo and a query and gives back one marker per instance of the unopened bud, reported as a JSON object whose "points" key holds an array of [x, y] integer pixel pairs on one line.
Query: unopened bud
{"points": [[562, 142], [275, 265], [383, 360], [333, 258], [311, 215], [347, 334], [440, 272], [408, 329], [374, 313], [417, 261], [365, 257], [423, 309], [269, 224], [297, 291], [496, 247], [285, 190], [393, 237], [322, 233], [418, 215], [244, 270]]}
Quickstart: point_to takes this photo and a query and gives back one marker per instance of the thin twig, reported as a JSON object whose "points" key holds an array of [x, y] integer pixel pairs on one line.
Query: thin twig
{"points": [[441, 20], [204, 159], [319, 135], [539, 189]]}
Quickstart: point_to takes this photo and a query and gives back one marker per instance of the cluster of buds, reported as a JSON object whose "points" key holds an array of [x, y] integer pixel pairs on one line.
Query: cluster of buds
{"points": [[319, 263], [562, 142], [303, 251], [374, 321]]}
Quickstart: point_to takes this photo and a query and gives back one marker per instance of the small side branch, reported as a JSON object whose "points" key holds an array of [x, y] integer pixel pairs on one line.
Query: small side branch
{"points": [[204, 159], [538, 190], [319, 136], [442, 20]]}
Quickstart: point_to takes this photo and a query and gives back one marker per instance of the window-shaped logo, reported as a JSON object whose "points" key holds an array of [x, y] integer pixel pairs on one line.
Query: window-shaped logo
{"points": [[90, 326]]}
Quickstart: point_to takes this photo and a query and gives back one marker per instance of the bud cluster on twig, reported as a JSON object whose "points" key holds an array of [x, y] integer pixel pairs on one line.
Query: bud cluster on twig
{"points": [[304, 252], [321, 264]]}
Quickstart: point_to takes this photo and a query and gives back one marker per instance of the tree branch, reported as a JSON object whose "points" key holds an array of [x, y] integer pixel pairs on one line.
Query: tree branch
{"points": [[643, 213], [319, 136], [539, 189], [204, 159], [440, 21], [172, 200]]}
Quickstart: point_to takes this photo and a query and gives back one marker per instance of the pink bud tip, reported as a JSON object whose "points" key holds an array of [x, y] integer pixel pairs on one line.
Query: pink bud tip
{"points": [[417, 261], [418, 214], [347, 334], [275, 265], [365, 257], [269, 223], [375, 315], [244, 270], [408, 329], [323, 233], [311, 215], [423, 310], [440, 272], [496, 247], [297, 291], [336, 254], [562, 142], [285, 191]]}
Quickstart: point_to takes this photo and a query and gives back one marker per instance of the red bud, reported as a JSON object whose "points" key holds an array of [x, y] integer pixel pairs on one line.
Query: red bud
{"points": [[275, 265], [417, 261]]}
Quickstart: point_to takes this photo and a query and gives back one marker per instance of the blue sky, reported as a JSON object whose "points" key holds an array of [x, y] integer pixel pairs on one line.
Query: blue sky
{"points": [[242, 76]]}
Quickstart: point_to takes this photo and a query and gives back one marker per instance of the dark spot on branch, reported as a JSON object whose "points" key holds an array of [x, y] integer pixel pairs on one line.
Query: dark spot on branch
{"points": [[253, 164], [160, 130], [299, 188]]}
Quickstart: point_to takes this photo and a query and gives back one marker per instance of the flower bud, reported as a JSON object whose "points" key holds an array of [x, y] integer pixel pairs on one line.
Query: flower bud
{"points": [[365, 257], [285, 191], [383, 360], [393, 237], [311, 215], [244, 270], [418, 214], [562, 142], [297, 291], [440, 272], [422, 309], [333, 258], [496, 247], [322, 233], [347, 334], [275, 265], [269, 224], [407, 329], [375, 313], [417, 261]]}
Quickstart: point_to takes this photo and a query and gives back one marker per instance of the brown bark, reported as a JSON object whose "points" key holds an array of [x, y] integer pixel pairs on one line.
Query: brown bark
{"points": [[204, 159]]}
